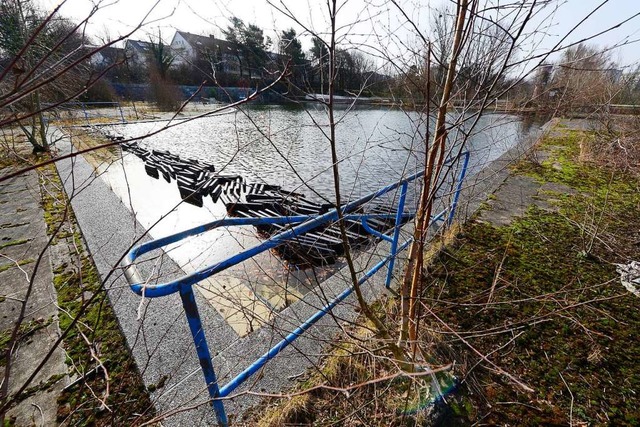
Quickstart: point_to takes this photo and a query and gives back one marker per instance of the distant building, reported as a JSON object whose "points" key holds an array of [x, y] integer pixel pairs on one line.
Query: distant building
{"points": [[220, 55], [278, 61], [107, 56], [138, 51]]}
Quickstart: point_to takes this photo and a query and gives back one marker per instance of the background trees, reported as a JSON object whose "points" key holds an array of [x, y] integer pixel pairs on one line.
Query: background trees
{"points": [[584, 77], [319, 60], [290, 49], [473, 70], [583, 80], [250, 46], [163, 91], [43, 61]]}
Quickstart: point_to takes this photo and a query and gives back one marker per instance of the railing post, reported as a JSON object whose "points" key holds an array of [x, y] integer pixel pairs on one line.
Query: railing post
{"points": [[396, 233], [121, 113], [456, 196], [305, 223], [86, 114], [195, 324]]}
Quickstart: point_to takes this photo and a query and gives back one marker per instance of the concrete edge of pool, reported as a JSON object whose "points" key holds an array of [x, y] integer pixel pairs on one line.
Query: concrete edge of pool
{"points": [[161, 342]]}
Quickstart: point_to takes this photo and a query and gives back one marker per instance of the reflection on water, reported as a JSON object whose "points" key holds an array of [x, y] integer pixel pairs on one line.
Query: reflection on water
{"points": [[288, 147], [285, 147]]}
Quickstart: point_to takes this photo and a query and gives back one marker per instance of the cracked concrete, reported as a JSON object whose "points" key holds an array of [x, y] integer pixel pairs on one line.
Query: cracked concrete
{"points": [[23, 234], [518, 193]]}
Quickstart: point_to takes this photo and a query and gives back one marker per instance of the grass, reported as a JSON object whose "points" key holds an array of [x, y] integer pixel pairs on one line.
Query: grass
{"points": [[99, 158], [14, 150], [75, 281], [356, 384], [559, 320], [540, 297]]}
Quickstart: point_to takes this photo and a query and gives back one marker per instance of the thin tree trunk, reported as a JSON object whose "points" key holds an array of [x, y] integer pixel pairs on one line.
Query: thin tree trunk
{"points": [[366, 310], [38, 130], [44, 144], [380, 327], [435, 157]]}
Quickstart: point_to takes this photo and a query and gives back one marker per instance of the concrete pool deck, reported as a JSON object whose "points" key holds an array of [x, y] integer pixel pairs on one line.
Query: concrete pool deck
{"points": [[161, 342]]}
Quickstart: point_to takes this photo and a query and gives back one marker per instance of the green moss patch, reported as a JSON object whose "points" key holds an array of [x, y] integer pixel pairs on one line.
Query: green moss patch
{"points": [[82, 296], [7, 266], [26, 330], [543, 299], [14, 243]]}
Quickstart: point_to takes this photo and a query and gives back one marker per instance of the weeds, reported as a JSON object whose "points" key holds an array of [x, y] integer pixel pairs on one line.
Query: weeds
{"points": [[80, 293], [541, 296], [539, 299]]}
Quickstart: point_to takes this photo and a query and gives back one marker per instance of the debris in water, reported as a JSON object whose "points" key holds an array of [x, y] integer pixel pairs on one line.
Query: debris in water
{"points": [[319, 247]]}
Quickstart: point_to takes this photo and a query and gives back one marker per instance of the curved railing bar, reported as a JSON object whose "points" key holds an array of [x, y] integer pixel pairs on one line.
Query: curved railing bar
{"points": [[310, 223], [373, 231], [305, 224], [273, 351]]}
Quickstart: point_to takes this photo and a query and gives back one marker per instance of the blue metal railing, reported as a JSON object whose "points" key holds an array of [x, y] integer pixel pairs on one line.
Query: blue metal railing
{"points": [[86, 107], [303, 224]]}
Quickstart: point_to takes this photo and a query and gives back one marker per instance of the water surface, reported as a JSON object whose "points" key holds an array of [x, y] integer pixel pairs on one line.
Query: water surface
{"points": [[287, 147]]}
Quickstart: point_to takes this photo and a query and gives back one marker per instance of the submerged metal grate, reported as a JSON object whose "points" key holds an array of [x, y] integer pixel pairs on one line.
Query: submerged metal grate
{"points": [[322, 246]]}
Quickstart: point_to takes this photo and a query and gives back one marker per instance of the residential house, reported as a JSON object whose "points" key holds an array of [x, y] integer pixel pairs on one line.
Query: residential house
{"points": [[106, 56], [219, 55], [138, 51]]}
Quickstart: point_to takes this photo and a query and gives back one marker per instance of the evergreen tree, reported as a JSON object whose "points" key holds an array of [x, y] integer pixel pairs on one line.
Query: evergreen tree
{"points": [[249, 44]]}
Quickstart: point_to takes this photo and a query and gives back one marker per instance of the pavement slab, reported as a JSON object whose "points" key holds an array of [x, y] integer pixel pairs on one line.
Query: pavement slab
{"points": [[22, 240]]}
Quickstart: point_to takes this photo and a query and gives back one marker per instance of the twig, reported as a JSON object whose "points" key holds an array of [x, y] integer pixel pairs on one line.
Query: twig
{"points": [[519, 403], [104, 369], [496, 276], [41, 413], [498, 369], [571, 409], [84, 377], [26, 275], [496, 350], [344, 390]]}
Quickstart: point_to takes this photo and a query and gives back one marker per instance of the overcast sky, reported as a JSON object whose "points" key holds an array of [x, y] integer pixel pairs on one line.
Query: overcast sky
{"points": [[363, 22]]}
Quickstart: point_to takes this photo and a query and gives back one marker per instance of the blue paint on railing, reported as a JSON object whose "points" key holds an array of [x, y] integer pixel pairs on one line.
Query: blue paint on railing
{"points": [[374, 232], [204, 356], [456, 195], [304, 224], [396, 233], [253, 368]]}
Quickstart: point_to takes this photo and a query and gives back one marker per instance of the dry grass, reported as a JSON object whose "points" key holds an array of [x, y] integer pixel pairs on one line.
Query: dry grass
{"points": [[15, 149], [357, 384], [83, 139], [614, 143]]}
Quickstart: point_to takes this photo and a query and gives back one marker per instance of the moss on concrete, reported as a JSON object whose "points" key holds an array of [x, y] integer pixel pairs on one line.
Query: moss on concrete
{"points": [[81, 294], [546, 289], [7, 266], [26, 330], [16, 242]]}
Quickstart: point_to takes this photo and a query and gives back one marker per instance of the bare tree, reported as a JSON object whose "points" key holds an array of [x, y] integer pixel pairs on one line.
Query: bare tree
{"points": [[165, 93], [51, 44], [581, 67], [462, 65]]}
